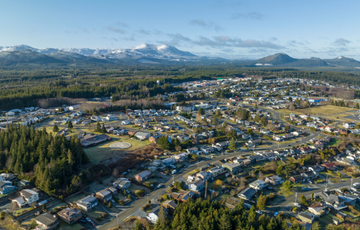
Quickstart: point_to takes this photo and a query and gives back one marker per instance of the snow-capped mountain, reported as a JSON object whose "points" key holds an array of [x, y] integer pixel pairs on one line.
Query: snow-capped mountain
{"points": [[142, 51]]}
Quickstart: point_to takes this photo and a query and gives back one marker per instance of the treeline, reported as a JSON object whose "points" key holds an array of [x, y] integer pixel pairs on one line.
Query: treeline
{"points": [[24, 87], [206, 215], [50, 162]]}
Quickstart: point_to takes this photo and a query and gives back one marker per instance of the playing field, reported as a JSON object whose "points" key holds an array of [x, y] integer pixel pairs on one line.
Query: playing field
{"points": [[103, 151], [328, 111]]}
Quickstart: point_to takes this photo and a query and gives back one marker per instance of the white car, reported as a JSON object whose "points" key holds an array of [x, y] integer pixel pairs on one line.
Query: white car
{"points": [[297, 205]]}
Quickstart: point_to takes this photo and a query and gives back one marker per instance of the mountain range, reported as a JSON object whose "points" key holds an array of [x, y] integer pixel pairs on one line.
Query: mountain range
{"points": [[23, 55]]}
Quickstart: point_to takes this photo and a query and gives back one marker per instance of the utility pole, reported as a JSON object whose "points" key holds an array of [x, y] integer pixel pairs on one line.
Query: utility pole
{"points": [[351, 182], [205, 188], [295, 197], [173, 180]]}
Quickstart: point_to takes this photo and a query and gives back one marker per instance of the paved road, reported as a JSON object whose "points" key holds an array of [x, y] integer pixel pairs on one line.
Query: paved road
{"points": [[138, 204]]}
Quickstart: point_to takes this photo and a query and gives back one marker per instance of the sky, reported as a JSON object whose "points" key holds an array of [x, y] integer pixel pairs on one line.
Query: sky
{"points": [[230, 29]]}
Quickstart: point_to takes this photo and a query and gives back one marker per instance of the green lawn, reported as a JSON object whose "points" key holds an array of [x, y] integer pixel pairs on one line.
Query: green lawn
{"points": [[21, 211], [103, 151], [65, 226]]}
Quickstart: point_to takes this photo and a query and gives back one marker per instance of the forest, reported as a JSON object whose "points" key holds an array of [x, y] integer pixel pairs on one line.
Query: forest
{"points": [[211, 215], [52, 163], [24, 87]]}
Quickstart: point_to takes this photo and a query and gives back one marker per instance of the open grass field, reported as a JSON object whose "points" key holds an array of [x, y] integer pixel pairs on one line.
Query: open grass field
{"points": [[326, 110], [103, 151]]}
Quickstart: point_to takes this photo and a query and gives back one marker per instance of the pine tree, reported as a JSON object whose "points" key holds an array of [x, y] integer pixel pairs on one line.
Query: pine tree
{"points": [[70, 125], [357, 106], [98, 127], [224, 222], [103, 129], [55, 129], [232, 144]]}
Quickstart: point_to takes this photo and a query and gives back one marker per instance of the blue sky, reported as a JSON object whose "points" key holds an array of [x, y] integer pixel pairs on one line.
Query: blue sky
{"points": [[230, 29]]}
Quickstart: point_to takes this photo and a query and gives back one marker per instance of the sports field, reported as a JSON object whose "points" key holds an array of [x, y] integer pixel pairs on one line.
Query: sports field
{"points": [[103, 151]]}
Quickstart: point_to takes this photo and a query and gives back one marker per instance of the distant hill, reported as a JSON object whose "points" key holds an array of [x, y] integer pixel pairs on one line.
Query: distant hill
{"points": [[149, 54], [343, 62], [284, 60]]}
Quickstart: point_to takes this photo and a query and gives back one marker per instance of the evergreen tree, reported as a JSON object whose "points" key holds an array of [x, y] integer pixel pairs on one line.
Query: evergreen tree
{"points": [[70, 125], [55, 129], [232, 144], [103, 129], [98, 127], [357, 106]]}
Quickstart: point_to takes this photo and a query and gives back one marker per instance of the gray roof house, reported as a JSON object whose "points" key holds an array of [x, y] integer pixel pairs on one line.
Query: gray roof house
{"points": [[87, 203], [122, 183], [197, 185], [142, 136], [247, 193]]}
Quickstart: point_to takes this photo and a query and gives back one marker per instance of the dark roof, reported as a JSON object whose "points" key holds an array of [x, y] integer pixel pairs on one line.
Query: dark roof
{"points": [[248, 192], [144, 174], [46, 219]]}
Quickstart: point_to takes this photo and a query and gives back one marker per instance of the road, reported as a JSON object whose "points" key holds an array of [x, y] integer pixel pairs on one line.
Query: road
{"points": [[138, 204]]}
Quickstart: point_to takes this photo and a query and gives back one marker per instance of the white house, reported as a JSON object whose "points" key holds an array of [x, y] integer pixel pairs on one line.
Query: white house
{"points": [[142, 136], [74, 107], [27, 197], [126, 122], [258, 184]]}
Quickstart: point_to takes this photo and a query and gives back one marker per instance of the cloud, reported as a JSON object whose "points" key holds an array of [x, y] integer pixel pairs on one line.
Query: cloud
{"points": [[226, 41], [118, 28], [221, 42], [250, 15], [122, 24], [341, 42], [206, 25], [144, 32]]}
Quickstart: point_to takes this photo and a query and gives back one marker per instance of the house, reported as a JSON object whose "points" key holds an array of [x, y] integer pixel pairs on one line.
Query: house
{"points": [[278, 138], [122, 183], [329, 166], [24, 182], [197, 185], [90, 140], [337, 202], [6, 187], [142, 136], [309, 174], [169, 205], [204, 175], [126, 122], [306, 217], [153, 215], [258, 184], [297, 179], [144, 175], [317, 208], [70, 215], [232, 202], [274, 180], [350, 125], [192, 150], [233, 167], [27, 197], [316, 168], [183, 195], [105, 194], [216, 171], [46, 221], [247, 193], [87, 203]]}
